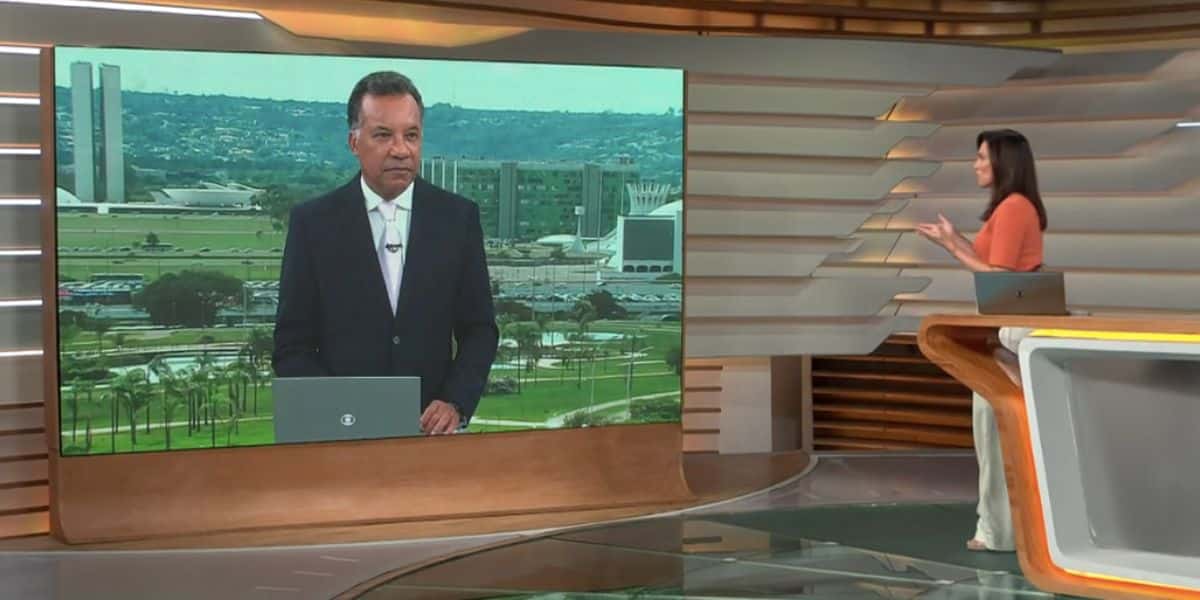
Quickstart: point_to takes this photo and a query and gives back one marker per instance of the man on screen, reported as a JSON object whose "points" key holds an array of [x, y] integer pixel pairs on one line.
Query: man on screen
{"points": [[379, 274]]}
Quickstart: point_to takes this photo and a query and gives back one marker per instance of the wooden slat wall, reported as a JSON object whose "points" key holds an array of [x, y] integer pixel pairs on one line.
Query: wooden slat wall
{"points": [[24, 491], [701, 405], [892, 399], [1118, 179]]}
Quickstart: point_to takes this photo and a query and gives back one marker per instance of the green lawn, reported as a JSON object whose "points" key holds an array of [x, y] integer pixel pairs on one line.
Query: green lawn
{"points": [[540, 401], [259, 432]]}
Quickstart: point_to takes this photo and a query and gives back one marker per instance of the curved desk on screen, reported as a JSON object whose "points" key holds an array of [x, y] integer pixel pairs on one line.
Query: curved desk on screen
{"points": [[1100, 450]]}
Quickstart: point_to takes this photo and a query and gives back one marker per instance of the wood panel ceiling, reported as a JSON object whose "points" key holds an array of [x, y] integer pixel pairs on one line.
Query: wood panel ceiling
{"points": [[987, 21]]}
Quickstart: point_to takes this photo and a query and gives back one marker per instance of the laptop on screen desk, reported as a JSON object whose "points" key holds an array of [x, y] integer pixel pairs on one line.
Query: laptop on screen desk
{"points": [[322, 409], [1020, 293]]}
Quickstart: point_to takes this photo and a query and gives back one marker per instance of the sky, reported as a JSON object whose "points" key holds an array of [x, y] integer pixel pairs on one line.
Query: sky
{"points": [[481, 85]]}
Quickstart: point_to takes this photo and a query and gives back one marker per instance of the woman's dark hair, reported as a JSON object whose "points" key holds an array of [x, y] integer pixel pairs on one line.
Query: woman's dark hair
{"points": [[380, 83], [1012, 170]]}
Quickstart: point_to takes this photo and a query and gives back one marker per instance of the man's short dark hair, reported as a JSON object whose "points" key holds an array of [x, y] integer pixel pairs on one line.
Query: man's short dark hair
{"points": [[380, 83]]}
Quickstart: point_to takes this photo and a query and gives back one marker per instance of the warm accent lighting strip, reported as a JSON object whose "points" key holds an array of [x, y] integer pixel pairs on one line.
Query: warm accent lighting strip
{"points": [[20, 202], [31, 252], [16, 353], [19, 151], [1188, 124], [130, 7]]}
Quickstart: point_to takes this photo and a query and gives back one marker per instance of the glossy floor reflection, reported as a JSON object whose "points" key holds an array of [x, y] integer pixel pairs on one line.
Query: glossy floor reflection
{"points": [[693, 557]]}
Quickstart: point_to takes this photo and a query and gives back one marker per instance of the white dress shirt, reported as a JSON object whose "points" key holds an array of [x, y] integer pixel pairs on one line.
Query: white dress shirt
{"points": [[390, 222]]}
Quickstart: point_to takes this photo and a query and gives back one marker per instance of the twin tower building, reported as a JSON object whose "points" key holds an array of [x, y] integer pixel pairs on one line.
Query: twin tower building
{"points": [[99, 168]]}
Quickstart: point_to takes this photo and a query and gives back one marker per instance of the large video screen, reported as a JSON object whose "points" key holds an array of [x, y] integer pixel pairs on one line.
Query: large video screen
{"points": [[228, 221]]}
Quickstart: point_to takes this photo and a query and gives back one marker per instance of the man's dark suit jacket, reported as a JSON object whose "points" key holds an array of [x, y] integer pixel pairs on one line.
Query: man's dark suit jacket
{"points": [[334, 317]]}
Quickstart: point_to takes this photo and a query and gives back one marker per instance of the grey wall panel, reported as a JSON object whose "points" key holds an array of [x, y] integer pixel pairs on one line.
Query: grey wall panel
{"points": [[20, 226], [1074, 213], [784, 337], [871, 142], [874, 247], [1073, 102], [18, 72], [1103, 138], [21, 471], [14, 419], [27, 444], [816, 297], [793, 100], [25, 497], [857, 271], [1160, 291], [798, 221], [722, 257], [20, 380], [20, 328], [20, 277], [1100, 64], [781, 185], [806, 58], [1157, 173], [18, 123], [20, 175], [1082, 251]]}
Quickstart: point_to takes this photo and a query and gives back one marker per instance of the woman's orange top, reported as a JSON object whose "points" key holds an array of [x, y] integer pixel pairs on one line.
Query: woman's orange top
{"points": [[1012, 237]]}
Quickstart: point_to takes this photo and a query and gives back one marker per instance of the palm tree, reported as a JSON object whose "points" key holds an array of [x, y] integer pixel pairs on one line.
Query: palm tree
{"points": [[260, 344], [585, 313], [205, 368], [174, 393], [100, 327], [527, 338], [132, 390]]}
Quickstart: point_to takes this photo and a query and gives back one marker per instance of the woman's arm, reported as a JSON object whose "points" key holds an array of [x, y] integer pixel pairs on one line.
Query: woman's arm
{"points": [[945, 235]]}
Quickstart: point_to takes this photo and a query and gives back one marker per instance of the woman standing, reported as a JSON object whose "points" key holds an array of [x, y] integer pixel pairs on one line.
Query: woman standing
{"points": [[1010, 240]]}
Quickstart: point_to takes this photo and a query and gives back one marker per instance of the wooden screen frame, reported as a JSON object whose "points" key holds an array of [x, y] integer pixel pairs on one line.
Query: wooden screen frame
{"points": [[134, 496]]}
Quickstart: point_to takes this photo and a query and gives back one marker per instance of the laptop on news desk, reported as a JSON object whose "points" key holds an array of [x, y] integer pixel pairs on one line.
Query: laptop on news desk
{"points": [[321, 409], [1020, 293]]}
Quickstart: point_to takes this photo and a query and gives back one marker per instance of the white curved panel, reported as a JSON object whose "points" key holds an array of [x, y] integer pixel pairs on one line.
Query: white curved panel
{"points": [[873, 142], [1100, 138], [1064, 251], [791, 100], [806, 186], [747, 257], [1105, 100], [1158, 172], [874, 247], [1154, 291], [817, 297], [712, 338], [798, 221], [1074, 213]]}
